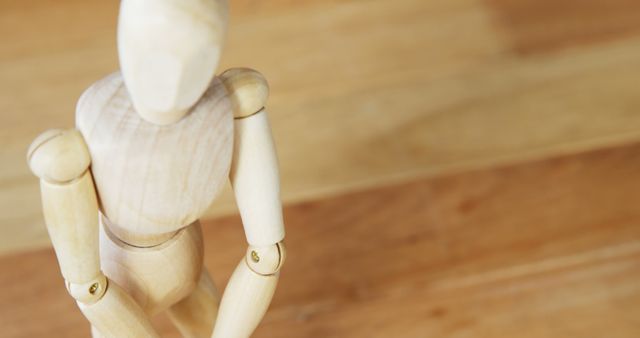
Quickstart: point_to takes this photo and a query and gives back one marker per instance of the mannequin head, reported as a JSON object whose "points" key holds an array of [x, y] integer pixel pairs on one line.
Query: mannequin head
{"points": [[169, 51]]}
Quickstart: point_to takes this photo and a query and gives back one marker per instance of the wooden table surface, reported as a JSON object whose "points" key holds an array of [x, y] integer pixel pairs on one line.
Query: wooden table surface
{"points": [[364, 93], [545, 249], [451, 168]]}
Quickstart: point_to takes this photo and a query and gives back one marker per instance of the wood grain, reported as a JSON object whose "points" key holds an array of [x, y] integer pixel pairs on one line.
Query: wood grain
{"points": [[154, 179], [545, 249], [392, 90], [546, 26], [156, 277]]}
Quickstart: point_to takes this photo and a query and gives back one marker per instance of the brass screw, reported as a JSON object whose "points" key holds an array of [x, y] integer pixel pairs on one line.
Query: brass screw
{"points": [[254, 256], [93, 288]]}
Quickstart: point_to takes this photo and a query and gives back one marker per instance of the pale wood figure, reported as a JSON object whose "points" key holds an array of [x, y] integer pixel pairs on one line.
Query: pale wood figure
{"points": [[152, 147]]}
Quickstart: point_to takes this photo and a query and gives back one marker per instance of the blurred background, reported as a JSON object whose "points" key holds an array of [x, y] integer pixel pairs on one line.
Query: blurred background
{"points": [[450, 168]]}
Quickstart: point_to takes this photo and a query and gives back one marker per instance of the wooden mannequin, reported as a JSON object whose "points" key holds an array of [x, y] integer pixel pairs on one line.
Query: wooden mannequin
{"points": [[123, 192]]}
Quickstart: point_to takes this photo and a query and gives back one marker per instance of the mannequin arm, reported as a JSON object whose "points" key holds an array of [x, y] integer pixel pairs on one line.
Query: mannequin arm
{"points": [[61, 160], [254, 177]]}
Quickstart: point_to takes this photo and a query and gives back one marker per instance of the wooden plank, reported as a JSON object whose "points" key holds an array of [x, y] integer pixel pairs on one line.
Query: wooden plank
{"points": [[546, 26], [547, 249], [364, 93]]}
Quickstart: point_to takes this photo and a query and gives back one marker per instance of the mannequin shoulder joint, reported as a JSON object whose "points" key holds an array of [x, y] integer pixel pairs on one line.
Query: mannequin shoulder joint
{"points": [[248, 90], [59, 155]]}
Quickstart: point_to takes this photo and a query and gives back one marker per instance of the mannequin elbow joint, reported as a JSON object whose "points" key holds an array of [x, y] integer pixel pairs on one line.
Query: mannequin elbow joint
{"points": [[266, 260]]}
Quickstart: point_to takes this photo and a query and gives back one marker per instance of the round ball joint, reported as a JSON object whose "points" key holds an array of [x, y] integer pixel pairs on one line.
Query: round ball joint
{"points": [[266, 260], [248, 90], [90, 292], [59, 155]]}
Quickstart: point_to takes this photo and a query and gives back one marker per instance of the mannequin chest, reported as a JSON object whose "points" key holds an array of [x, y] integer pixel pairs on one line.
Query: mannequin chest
{"points": [[153, 179]]}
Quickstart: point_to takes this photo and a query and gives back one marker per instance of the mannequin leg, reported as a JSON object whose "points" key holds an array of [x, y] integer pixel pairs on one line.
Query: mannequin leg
{"points": [[195, 315]]}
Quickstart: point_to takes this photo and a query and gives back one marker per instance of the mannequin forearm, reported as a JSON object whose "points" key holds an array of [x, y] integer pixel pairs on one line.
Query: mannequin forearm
{"points": [[244, 303]]}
